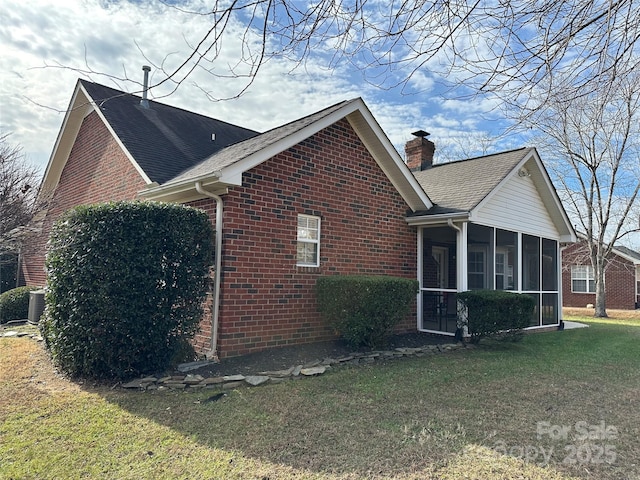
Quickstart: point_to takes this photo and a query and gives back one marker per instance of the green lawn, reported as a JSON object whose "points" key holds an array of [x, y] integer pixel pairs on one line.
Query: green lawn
{"points": [[567, 402]]}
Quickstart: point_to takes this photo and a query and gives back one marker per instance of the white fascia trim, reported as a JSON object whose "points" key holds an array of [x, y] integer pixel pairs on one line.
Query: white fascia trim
{"points": [[635, 261], [141, 172], [184, 188], [79, 107], [441, 219], [393, 155], [234, 172], [583, 238], [502, 182], [570, 234], [567, 233]]}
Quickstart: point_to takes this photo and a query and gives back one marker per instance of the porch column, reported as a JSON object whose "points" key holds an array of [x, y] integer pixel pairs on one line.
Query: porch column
{"points": [[559, 280], [461, 254], [520, 265], [420, 266]]}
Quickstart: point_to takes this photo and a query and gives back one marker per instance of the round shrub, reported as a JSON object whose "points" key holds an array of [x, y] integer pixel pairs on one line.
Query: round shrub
{"points": [[126, 286], [14, 304], [365, 309], [491, 312]]}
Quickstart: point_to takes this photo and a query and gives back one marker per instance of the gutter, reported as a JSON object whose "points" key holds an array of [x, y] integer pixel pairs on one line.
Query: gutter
{"points": [[155, 191], [439, 219], [212, 354]]}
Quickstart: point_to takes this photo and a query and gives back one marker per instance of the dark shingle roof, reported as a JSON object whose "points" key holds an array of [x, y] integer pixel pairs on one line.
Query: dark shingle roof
{"points": [[460, 186], [241, 150], [628, 252], [163, 140]]}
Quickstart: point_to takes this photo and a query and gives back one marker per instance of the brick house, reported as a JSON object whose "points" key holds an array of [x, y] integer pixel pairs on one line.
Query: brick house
{"points": [[621, 282], [325, 194]]}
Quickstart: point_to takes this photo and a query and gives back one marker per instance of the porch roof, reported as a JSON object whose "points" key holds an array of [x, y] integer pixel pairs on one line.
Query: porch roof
{"points": [[459, 187]]}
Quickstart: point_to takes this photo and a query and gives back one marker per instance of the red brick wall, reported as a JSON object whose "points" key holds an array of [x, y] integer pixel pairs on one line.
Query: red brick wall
{"points": [[97, 170], [619, 280], [268, 301]]}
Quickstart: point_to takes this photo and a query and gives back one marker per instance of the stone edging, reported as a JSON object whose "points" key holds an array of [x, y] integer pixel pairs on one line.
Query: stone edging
{"points": [[311, 369], [15, 334], [228, 382]]}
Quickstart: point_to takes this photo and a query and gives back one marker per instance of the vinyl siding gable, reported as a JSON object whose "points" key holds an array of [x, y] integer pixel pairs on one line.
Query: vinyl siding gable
{"points": [[516, 205]]}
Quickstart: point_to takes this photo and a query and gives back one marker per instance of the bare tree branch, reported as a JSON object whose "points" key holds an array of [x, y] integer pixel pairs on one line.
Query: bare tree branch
{"points": [[519, 50], [594, 145]]}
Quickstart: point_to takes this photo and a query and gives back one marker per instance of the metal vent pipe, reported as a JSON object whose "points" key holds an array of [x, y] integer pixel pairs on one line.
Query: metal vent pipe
{"points": [[145, 86]]}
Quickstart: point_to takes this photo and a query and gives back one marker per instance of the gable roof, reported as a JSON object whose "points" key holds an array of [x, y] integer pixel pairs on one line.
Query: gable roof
{"points": [[225, 167], [622, 251], [164, 140], [627, 253], [459, 187], [173, 149], [160, 141], [242, 150]]}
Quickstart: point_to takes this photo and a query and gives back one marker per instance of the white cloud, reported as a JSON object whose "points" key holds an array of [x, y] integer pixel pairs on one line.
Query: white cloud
{"points": [[117, 38]]}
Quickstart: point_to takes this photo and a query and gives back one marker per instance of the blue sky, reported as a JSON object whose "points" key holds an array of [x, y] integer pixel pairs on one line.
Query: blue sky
{"points": [[47, 45]]}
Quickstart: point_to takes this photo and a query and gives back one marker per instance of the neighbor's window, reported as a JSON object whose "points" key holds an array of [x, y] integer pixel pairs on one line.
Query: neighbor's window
{"points": [[582, 279], [308, 241]]}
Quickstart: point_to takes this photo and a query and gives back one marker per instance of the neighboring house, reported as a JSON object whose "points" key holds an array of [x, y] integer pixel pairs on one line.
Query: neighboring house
{"points": [[326, 194], [621, 280]]}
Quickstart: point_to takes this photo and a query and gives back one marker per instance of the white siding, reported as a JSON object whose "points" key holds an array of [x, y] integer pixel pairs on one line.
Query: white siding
{"points": [[516, 205]]}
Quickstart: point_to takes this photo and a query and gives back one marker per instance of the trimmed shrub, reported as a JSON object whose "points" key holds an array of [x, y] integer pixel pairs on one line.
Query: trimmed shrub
{"points": [[496, 311], [14, 304], [126, 286], [8, 270], [365, 309]]}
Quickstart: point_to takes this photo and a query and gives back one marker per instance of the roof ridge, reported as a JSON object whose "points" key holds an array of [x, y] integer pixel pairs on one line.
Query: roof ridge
{"points": [[163, 140], [481, 156], [620, 248], [319, 113], [162, 104]]}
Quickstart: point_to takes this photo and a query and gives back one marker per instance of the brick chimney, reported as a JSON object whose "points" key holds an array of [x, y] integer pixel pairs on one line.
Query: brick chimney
{"points": [[419, 151]]}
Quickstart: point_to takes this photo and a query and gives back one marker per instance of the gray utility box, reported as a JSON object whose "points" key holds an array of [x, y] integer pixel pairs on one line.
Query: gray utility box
{"points": [[36, 305]]}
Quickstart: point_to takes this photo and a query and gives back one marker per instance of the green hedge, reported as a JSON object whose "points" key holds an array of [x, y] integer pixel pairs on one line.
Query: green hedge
{"points": [[14, 304], [126, 285], [8, 270], [365, 309], [493, 311]]}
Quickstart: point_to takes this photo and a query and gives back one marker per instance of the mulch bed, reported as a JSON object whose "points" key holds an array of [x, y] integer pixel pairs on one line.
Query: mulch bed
{"points": [[284, 357]]}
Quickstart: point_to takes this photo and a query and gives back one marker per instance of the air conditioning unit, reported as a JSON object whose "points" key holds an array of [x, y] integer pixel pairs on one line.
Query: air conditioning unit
{"points": [[36, 305]]}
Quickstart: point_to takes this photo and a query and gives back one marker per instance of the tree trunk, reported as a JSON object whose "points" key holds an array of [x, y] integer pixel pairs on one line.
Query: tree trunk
{"points": [[600, 307]]}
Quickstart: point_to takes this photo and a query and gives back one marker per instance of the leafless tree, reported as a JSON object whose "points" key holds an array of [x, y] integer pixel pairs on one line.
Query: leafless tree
{"points": [[464, 147], [18, 187], [519, 50], [593, 144]]}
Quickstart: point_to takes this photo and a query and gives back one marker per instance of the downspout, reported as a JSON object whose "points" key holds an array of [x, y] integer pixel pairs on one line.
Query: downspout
{"points": [[213, 353]]}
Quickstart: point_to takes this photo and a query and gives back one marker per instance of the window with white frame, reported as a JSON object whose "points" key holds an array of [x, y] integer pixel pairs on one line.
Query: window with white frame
{"points": [[308, 241], [582, 279], [476, 268]]}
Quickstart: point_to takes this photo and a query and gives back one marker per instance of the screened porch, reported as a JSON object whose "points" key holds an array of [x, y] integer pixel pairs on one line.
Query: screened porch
{"points": [[467, 256]]}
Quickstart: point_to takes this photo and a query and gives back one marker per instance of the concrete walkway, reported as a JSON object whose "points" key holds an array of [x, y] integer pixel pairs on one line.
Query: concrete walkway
{"points": [[569, 325]]}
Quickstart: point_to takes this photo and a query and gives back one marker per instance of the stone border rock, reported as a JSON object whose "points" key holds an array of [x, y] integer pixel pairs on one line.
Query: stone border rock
{"points": [[311, 369], [229, 382], [16, 334]]}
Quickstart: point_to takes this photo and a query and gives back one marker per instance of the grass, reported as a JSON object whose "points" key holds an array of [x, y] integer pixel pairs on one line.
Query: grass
{"points": [[473, 414]]}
